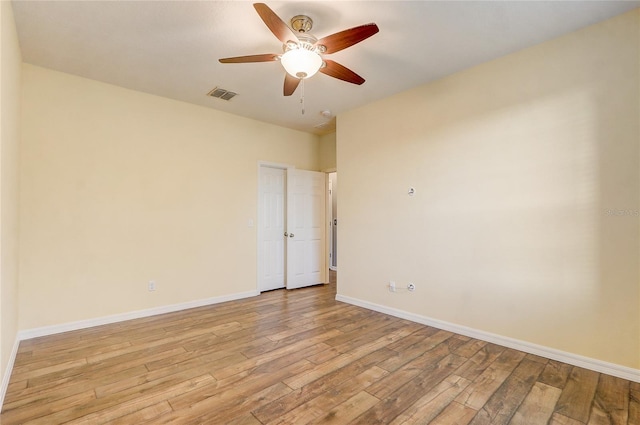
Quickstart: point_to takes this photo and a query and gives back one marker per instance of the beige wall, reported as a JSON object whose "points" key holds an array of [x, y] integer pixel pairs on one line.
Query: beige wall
{"points": [[516, 164], [328, 152], [120, 188], [9, 136]]}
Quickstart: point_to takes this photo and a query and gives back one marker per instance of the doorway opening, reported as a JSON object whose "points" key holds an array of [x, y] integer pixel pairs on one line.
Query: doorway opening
{"points": [[333, 221]]}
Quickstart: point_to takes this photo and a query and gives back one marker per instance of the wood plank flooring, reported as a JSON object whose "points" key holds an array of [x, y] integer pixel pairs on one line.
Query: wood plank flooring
{"points": [[298, 357]]}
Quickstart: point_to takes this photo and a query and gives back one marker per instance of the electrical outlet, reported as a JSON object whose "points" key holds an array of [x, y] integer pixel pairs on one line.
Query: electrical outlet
{"points": [[392, 286], [151, 286]]}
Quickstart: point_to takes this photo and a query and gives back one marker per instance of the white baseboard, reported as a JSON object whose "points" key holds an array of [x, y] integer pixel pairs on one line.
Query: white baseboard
{"points": [[7, 373], [539, 350], [105, 320]]}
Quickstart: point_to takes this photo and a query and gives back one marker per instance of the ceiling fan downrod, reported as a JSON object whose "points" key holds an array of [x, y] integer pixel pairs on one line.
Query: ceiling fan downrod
{"points": [[302, 96]]}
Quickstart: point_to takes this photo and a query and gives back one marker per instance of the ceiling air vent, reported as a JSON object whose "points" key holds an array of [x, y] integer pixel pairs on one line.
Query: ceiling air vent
{"points": [[222, 94]]}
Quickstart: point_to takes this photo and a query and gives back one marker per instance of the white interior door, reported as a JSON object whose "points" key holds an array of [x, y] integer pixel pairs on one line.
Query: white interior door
{"points": [[306, 244], [271, 256]]}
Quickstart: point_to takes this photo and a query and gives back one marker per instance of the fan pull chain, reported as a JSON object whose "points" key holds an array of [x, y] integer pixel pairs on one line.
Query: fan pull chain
{"points": [[302, 97]]}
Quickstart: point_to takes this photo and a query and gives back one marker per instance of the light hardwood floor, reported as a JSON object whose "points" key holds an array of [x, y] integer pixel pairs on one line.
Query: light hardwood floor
{"points": [[297, 357]]}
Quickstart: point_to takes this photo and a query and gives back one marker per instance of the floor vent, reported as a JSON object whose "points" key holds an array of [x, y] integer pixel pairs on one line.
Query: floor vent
{"points": [[222, 94]]}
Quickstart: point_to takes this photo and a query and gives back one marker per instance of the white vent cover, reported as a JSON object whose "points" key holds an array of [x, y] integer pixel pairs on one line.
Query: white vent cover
{"points": [[222, 94]]}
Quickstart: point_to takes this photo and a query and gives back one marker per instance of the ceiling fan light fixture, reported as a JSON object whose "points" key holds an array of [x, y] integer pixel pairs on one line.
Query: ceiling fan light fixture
{"points": [[301, 63], [303, 53]]}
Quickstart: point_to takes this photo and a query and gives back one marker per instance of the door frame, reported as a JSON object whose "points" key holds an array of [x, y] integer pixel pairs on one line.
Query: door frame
{"points": [[330, 220], [327, 257], [288, 167]]}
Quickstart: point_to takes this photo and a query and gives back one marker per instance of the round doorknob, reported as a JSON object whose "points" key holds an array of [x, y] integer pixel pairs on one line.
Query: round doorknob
{"points": [[290, 235], [286, 234]]}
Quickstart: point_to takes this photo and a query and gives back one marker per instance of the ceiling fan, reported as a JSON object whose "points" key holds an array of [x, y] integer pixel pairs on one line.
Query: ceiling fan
{"points": [[303, 53]]}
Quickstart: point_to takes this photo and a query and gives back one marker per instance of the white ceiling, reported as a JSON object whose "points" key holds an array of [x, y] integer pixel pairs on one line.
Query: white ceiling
{"points": [[171, 48]]}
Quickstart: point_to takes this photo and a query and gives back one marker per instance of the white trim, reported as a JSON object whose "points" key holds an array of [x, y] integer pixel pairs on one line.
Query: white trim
{"points": [[528, 347], [327, 226], [275, 165], [7, 373], [83, 324]]}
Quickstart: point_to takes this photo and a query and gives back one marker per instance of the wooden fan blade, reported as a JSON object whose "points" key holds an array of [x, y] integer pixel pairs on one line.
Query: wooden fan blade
{"points": [[267, 57], [290, 84], [275, 24], [335, 70], [343, 39]]}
